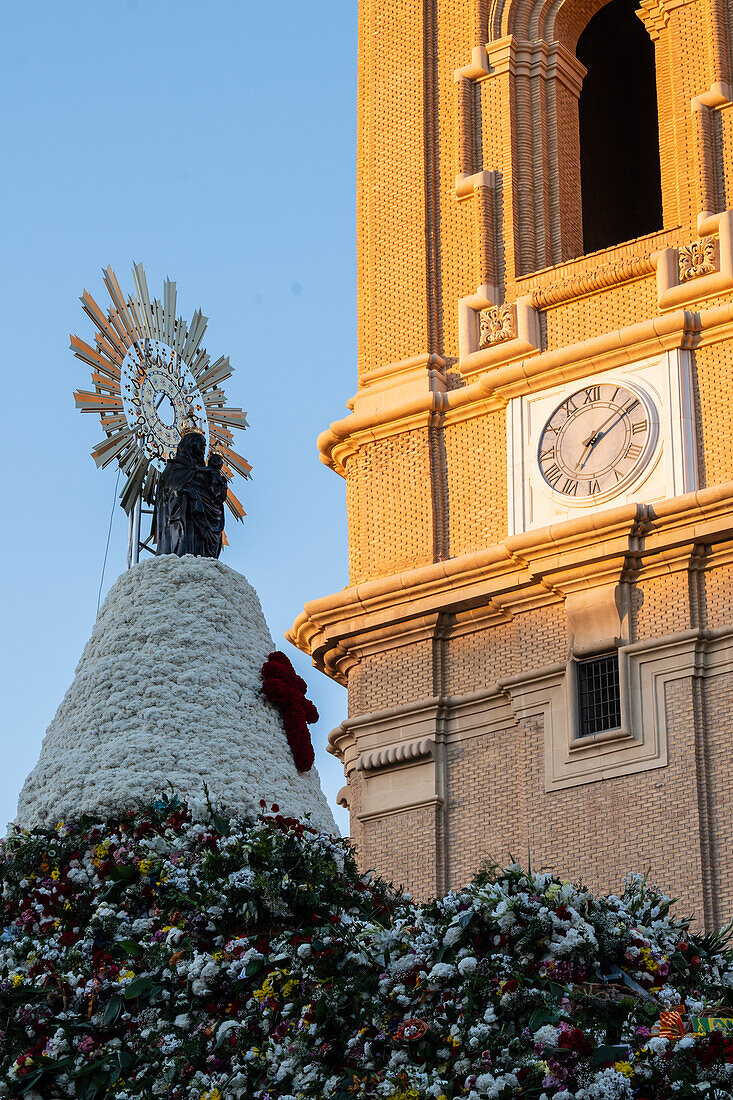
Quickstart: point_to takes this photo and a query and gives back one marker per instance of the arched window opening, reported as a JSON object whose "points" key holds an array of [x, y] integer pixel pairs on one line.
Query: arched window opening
{"points": [[619, 132]]}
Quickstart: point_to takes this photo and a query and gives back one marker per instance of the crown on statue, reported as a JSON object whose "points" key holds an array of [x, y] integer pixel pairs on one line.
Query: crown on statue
{"points": [[191, 424]]}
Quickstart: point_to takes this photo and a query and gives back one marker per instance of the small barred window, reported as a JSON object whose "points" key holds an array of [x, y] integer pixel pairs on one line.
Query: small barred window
{"points": [[599, 694]]}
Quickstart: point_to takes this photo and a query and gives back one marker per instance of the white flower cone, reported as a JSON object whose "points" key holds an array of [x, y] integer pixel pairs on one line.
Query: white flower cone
{"points": [[166, 698]]}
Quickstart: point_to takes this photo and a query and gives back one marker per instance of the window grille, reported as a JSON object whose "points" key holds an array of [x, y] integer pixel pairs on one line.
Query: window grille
{"points": [[599, 694]]}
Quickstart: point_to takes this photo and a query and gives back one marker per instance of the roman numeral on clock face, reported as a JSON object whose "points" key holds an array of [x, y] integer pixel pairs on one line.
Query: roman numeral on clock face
{"points": [[593, 488], [633, 451], [553, 475], [570, 488], [593, 393], [639, 426]]}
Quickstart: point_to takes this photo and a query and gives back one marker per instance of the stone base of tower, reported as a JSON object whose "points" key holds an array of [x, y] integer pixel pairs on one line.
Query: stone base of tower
{"points": [[462, 744]]}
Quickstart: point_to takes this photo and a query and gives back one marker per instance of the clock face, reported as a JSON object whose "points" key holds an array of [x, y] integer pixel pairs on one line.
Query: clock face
{"points": [[595, 442]]}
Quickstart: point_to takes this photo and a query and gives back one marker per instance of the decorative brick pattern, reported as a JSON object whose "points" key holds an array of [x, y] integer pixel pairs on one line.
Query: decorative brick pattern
{"points": [[400, 675], [621, 305], [390, 508], [476, 476], [715, 423], [403, 848]]}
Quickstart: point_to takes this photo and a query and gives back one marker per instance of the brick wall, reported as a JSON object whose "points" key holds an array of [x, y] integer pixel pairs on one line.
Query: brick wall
{"points": [[498, 807]]}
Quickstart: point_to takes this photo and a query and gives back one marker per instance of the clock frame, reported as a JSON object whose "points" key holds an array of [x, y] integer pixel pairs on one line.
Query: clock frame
{"points": [[666, 467], [597, 441]]}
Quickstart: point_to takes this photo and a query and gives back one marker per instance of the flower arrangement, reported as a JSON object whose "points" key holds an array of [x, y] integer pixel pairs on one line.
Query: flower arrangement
{"points": [[183, 952], [282, 687]]}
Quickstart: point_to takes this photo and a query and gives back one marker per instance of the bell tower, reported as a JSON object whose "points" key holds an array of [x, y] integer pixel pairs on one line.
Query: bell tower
{"points": [[537, 636]]}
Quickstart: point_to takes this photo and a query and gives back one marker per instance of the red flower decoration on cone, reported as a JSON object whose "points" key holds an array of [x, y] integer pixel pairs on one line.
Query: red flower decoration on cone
{"points": [[282, 687]]}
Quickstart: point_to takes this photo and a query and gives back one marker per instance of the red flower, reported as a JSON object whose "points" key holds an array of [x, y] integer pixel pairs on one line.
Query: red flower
{"points": [[282, 687]]}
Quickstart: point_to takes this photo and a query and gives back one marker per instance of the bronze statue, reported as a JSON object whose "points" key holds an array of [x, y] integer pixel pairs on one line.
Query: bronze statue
{"points": [[189, 507]]}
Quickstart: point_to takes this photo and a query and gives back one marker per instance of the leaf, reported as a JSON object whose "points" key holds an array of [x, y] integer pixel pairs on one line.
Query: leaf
{"points": [[125, 873], [252, 967], [113, 1010], [127, 947], [221, 825], [87, 1089], [30, 1081], [137, 987], [465, 918], [542, 1016], [609, 1054]]}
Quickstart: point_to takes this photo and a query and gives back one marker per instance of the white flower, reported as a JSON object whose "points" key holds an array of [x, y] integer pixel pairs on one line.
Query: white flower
{"points": [[453, 935], [441, 972], [548, 1035], [467, 965]]}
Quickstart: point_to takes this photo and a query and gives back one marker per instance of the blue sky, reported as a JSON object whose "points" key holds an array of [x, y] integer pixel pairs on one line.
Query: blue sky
{"points": [[216, 143]]}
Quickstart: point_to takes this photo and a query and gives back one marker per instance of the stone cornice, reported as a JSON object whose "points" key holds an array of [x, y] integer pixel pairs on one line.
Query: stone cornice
{"points": [[525, 571], [500, 382]]}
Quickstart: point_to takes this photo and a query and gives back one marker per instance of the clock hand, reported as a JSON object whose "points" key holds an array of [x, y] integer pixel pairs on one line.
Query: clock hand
{"points": [[593, 439], [587, 448]]}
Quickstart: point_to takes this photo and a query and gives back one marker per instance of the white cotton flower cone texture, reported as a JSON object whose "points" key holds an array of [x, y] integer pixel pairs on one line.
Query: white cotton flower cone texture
{"points": [[166, 698]]}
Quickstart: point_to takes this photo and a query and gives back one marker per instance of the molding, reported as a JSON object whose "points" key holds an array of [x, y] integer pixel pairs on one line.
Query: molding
{"points": [[419, 804], [477, 68], [404, 753], [497, 384], [625, 270], [521, 336], [526, 570], [682, 284], [401, 771], [466, 184], [394, 383]]}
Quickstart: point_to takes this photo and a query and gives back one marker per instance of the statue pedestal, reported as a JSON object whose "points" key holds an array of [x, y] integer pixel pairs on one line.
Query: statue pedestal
{"points": [[166, 698]]}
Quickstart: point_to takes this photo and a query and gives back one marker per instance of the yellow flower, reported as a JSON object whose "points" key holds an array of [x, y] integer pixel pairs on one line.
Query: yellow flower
{"points": [[625, 1068], [144, 866], [453, 1040], [16, 979], [125, 974], [55, 874], [213, 1095]]}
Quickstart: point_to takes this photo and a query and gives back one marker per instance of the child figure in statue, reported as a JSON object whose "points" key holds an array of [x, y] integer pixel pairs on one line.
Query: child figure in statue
{"points": [[189, 507]]}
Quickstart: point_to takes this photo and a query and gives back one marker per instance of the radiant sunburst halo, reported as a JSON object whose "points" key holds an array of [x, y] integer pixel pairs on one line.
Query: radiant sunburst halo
{"points": [[151, 378]]}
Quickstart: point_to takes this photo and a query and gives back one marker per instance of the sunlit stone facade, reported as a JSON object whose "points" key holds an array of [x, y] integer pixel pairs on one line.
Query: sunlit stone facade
{"points": [[538, 456]]}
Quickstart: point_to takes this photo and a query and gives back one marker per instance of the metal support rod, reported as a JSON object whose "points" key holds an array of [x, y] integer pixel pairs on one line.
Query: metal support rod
{"points": [[133, 533]]}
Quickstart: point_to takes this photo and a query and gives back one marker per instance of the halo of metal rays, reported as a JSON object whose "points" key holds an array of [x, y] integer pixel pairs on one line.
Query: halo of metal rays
{"points": [[142, 354]]}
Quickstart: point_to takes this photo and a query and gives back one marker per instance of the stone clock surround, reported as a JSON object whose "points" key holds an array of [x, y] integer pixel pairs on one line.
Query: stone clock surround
{"points": [[663, 383]]}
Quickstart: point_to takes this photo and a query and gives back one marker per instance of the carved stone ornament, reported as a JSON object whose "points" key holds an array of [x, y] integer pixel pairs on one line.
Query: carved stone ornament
{"points": [[497, 324], [698, 258]]}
